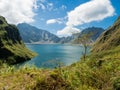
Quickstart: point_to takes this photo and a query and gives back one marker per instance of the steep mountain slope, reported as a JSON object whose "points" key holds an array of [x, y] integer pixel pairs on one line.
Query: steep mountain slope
{"points": [[31, 34], [68, 39], [95, 31], [12, 49], [109, 39], [100, 71]]}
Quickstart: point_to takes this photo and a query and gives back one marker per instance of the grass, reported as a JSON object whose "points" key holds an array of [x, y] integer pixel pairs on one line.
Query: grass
{"points": [[109, 39], [100, 71], [31, 79]]}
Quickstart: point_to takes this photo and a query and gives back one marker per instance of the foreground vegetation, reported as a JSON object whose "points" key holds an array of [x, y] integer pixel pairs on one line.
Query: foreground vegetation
{"points": [[100, 71]]}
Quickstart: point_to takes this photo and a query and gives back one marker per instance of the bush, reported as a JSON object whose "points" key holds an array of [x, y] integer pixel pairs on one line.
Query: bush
{"points": [[116, 84]]}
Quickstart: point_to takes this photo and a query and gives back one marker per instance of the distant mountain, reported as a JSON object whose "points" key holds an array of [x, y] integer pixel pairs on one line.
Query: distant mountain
{"points": [[31, 34], [12, 49], [94, 31], [68, 39], [109, 39]]}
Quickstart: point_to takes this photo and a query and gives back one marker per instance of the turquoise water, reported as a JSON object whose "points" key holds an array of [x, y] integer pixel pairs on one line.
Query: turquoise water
{"points": [[51, 55]]}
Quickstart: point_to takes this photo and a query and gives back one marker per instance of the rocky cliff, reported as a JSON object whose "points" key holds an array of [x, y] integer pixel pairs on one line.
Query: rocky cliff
{"points": [[31, 34], [12, 49]]}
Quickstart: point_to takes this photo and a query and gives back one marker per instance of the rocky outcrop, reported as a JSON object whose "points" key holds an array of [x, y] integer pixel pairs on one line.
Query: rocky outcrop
{"points": [[31, 34]]}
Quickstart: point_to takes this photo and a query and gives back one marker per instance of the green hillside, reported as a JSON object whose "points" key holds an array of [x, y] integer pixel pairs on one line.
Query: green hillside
{"points": [[100, 71], [12, 49], [109, 39]]}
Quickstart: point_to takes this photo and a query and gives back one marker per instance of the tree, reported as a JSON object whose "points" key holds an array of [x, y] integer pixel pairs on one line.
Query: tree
{"points": [[85, 40]]}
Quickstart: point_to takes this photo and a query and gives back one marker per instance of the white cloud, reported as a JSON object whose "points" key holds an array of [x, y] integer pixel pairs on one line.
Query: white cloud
{"points": [[62, 7], [94, 10], [67, 31], [57, 20], [18, 11], [44, 5], [50, 4], [53, 21]]}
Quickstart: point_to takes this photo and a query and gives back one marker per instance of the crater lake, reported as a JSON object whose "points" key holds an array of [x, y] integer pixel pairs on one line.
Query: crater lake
{"points": [[53, 55]]}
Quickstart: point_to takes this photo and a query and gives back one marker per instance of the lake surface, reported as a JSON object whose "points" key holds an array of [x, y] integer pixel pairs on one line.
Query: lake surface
{"points": [[51, 55]]}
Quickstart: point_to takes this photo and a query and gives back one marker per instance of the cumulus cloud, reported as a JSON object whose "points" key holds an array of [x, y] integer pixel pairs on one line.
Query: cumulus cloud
{"points": [[94, 10], [18, 11], [53, 21], [67, 31]]}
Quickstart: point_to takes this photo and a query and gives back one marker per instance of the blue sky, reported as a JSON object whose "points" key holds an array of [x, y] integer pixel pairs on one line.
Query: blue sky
{"points": [[60, 9], [61, 17]]}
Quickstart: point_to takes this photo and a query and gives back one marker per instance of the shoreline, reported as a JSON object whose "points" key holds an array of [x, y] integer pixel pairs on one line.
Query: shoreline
{"points": [[52, 44]]}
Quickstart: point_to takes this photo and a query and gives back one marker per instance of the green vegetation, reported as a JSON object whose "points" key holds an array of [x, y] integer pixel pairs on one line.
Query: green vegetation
{"points": [[109, 39], [12, 49], [31, 79], [100, 70], [85, 40]]}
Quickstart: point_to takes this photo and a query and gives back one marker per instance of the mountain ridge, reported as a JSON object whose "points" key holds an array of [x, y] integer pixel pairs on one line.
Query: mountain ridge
{"points": [[109, 39], [99, 71], [12, 49], [31, 34]]}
